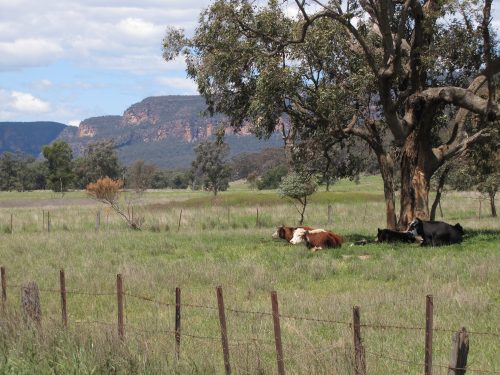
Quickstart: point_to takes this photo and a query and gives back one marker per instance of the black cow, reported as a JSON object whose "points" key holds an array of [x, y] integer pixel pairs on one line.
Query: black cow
{"points": [[436, 233], [388, 235]]}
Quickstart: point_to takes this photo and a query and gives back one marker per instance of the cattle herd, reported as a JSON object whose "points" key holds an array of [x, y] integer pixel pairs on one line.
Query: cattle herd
{"points": [[427, 233]]}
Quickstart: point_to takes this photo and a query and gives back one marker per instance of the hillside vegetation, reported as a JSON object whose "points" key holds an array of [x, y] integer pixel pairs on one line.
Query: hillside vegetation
{"points": [[220, 242]]}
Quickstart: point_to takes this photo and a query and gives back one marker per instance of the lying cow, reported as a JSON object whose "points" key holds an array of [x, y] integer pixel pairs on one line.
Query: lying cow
{"points": [[316, 239], [388, 235], [436, 233], [286, 233]]}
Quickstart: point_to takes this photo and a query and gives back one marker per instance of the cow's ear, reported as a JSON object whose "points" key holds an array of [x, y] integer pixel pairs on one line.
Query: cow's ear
{"points": [[378, 229]]}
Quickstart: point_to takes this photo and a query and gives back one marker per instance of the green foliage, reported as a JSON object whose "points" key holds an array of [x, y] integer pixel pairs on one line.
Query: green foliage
{"points": [[140, 175], [21, 172], [298, 187], [210, 169], [99, 160], [59, 160], [271, 179]]}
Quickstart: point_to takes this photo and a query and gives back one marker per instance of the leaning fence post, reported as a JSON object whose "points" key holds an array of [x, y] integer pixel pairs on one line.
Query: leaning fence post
{"points": [[223, 330], [119, 300], [459, 351], [359, 350], [64, 314], [428, 334], [97, 221], [277, 333], [180, 219], [177, 322], [4, 286]]}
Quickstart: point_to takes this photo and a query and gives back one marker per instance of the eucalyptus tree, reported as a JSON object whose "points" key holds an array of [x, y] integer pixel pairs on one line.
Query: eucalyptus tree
{"points": [[375, 69]]}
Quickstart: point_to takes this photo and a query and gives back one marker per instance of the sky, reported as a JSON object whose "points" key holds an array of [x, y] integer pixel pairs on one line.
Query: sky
{"points": [[68, 60]]}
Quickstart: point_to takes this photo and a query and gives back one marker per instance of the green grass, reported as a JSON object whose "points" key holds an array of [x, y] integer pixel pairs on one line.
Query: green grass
{"points": [[218, 243]]}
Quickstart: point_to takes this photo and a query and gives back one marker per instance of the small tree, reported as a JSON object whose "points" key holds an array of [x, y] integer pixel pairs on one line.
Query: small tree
{"points": [[210, 168], [99, 160], [140, 175], [298, 187], [108, 191], [59, 158]]}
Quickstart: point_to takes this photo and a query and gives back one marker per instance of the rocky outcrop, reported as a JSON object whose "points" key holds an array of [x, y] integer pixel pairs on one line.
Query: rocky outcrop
{"points": [[158, 128]]}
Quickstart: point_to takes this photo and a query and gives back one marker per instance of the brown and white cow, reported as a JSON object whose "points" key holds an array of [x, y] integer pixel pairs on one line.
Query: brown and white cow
{"points": [[317, 239], [286, 233]]}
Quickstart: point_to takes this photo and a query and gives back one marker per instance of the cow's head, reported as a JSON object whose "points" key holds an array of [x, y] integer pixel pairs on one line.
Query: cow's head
{"points": [[298, 236], [416, 227]]}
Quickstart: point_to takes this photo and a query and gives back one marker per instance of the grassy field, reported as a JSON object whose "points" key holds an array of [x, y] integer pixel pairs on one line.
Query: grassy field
{"points": [[218, 243]]}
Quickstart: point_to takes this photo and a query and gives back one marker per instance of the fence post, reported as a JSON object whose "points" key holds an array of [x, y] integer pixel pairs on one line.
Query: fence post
{"points": [[359, 350], [257, 224], [11, 223], [119, 300], [43, 220], [330, 214], [277, 333], [459, 351], [177, 322], [223, 330], [429, 306], [48, 221], [97, 220], [64, 314], [4, 286], [180, 218]]}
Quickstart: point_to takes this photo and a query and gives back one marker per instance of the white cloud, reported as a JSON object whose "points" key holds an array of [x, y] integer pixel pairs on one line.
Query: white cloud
{"points": [[74, 122], [183, 86], [28, 52], [15, 104], [42, 84], [138, 28], [26, 102]]}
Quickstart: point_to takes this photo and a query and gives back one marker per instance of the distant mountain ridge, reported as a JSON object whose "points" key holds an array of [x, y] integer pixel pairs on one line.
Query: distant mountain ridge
{"points": [[28, 137], [163, 130]]}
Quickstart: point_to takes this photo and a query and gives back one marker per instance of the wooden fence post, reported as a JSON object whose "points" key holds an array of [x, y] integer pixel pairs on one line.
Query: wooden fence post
{"points": [[429, 306], [330, 214], [97, 220], [459, 351], [180, 218], [119, 300], [48, 221], [64, 314], [359, 350], [4, 286], [277, 333], [177, 322], [43, 220], [257, 223], [223, 330]]}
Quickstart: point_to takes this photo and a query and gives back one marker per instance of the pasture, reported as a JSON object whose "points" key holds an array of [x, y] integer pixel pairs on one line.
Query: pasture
{"points": [[219, 242]]}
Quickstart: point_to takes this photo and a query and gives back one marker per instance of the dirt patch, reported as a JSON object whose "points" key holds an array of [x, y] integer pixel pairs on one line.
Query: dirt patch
{"points": [[52, 202]]}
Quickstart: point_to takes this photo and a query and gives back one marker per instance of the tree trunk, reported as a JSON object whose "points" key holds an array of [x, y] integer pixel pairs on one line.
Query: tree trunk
{"points": [[492, 203], [386, 165], [304, 204], [417, 167], [439, 191]]}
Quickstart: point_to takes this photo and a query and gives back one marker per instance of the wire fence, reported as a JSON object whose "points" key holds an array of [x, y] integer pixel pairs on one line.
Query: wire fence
{"points": [[359, 363]]}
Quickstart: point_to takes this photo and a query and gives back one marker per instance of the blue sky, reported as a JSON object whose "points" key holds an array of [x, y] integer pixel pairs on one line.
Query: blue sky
{"points": [[67, 60]]}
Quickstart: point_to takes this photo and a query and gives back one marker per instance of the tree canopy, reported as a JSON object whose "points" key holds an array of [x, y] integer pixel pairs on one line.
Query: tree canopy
{"points": [[394, 74]]}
